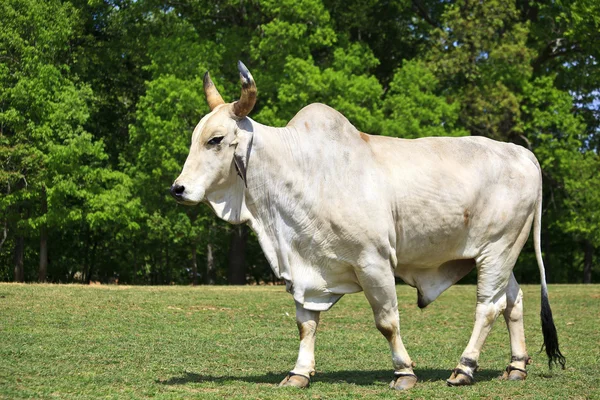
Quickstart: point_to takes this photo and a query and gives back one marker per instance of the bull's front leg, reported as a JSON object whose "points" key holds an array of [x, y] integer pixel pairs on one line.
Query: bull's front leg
{"points": [[305, 365], [380, 290], [387, 322]]}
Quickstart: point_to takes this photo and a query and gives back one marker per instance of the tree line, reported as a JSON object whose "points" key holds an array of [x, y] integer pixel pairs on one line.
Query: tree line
{"points": [[98, 99]]}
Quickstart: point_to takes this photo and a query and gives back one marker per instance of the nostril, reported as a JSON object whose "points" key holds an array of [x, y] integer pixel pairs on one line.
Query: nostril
{"points": [[177, 190]]}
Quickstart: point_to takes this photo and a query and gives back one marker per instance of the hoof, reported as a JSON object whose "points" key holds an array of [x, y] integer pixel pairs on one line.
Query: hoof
{"points": [[514, 374], [403, 382], [295, 380], [460, 378]]}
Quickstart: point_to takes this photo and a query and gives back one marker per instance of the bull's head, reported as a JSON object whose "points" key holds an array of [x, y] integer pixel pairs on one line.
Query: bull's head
{"points": [[220, 144]]}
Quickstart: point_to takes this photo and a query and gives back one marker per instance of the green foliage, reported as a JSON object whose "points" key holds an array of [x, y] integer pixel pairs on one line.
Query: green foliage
{"points": [[480, 54], [47, 154], [413, 108], [345, 86], [572, 183], [571, 53], [98, 100]]}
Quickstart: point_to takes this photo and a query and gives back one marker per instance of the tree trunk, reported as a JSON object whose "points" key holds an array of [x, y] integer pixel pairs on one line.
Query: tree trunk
{"points": [[43, 254], [5, 228], [92, 262], [86, 258], [167, 268], [588, 261], [154, 260], [134, 264], [43, 271], [209, 279], [4, 233], [19, 250], [236, 274], [194, 265]]}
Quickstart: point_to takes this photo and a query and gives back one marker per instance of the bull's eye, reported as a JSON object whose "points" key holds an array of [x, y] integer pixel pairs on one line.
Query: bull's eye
{"points": [[215, 140]]}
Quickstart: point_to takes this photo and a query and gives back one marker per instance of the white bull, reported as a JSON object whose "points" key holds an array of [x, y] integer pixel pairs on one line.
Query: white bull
{"points": [[338, 211]]}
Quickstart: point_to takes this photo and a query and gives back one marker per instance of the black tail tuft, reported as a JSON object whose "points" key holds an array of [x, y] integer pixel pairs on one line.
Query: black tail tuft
{"points": [[550, 335]]}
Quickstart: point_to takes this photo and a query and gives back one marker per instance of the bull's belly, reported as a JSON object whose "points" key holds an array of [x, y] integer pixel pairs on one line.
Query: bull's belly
{"points": [[431, 281], [432, 262]]}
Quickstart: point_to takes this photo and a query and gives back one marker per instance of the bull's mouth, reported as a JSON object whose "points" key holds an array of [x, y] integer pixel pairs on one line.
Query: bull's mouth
{"points": [[185, 202]]}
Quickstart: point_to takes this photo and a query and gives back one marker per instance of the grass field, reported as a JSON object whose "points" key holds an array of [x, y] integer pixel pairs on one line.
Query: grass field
{"points": [[238, 342]]}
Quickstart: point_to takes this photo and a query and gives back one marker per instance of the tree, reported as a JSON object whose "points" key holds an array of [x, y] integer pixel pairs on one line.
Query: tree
{"points": [[98, 100], [480, 56], [566, 36], [415, 108], [55, 170], [39, 105]]}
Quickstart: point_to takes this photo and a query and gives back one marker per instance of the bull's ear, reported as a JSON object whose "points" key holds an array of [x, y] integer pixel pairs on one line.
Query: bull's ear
{"points": [[241, 155]]}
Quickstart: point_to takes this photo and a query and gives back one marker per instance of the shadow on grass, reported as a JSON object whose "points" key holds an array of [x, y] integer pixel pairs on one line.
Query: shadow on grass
{"points": [[361, 378]]}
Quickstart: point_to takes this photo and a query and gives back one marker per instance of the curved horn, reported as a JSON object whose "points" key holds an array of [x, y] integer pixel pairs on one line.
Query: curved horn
{"points": [[213, 98], [244, 105]]}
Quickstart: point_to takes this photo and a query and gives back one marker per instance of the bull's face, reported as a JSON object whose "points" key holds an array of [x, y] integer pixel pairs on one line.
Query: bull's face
{"points": [[219, 144]]}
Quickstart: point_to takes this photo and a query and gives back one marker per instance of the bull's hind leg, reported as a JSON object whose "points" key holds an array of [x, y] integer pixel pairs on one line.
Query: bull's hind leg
{"points": [[305, 365], [494, 269], [486, 312], [381, 294], [513, 314]]}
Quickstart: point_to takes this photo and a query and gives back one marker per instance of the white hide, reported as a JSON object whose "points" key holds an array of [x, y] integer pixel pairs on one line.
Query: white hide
{"points": [[334, 208]]}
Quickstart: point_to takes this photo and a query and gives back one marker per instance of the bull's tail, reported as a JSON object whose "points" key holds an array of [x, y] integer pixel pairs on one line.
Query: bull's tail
{"points": [[548, 327]]}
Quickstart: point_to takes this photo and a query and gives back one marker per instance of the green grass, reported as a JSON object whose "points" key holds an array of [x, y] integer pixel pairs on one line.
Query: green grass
{"points": [[238, 342]]}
